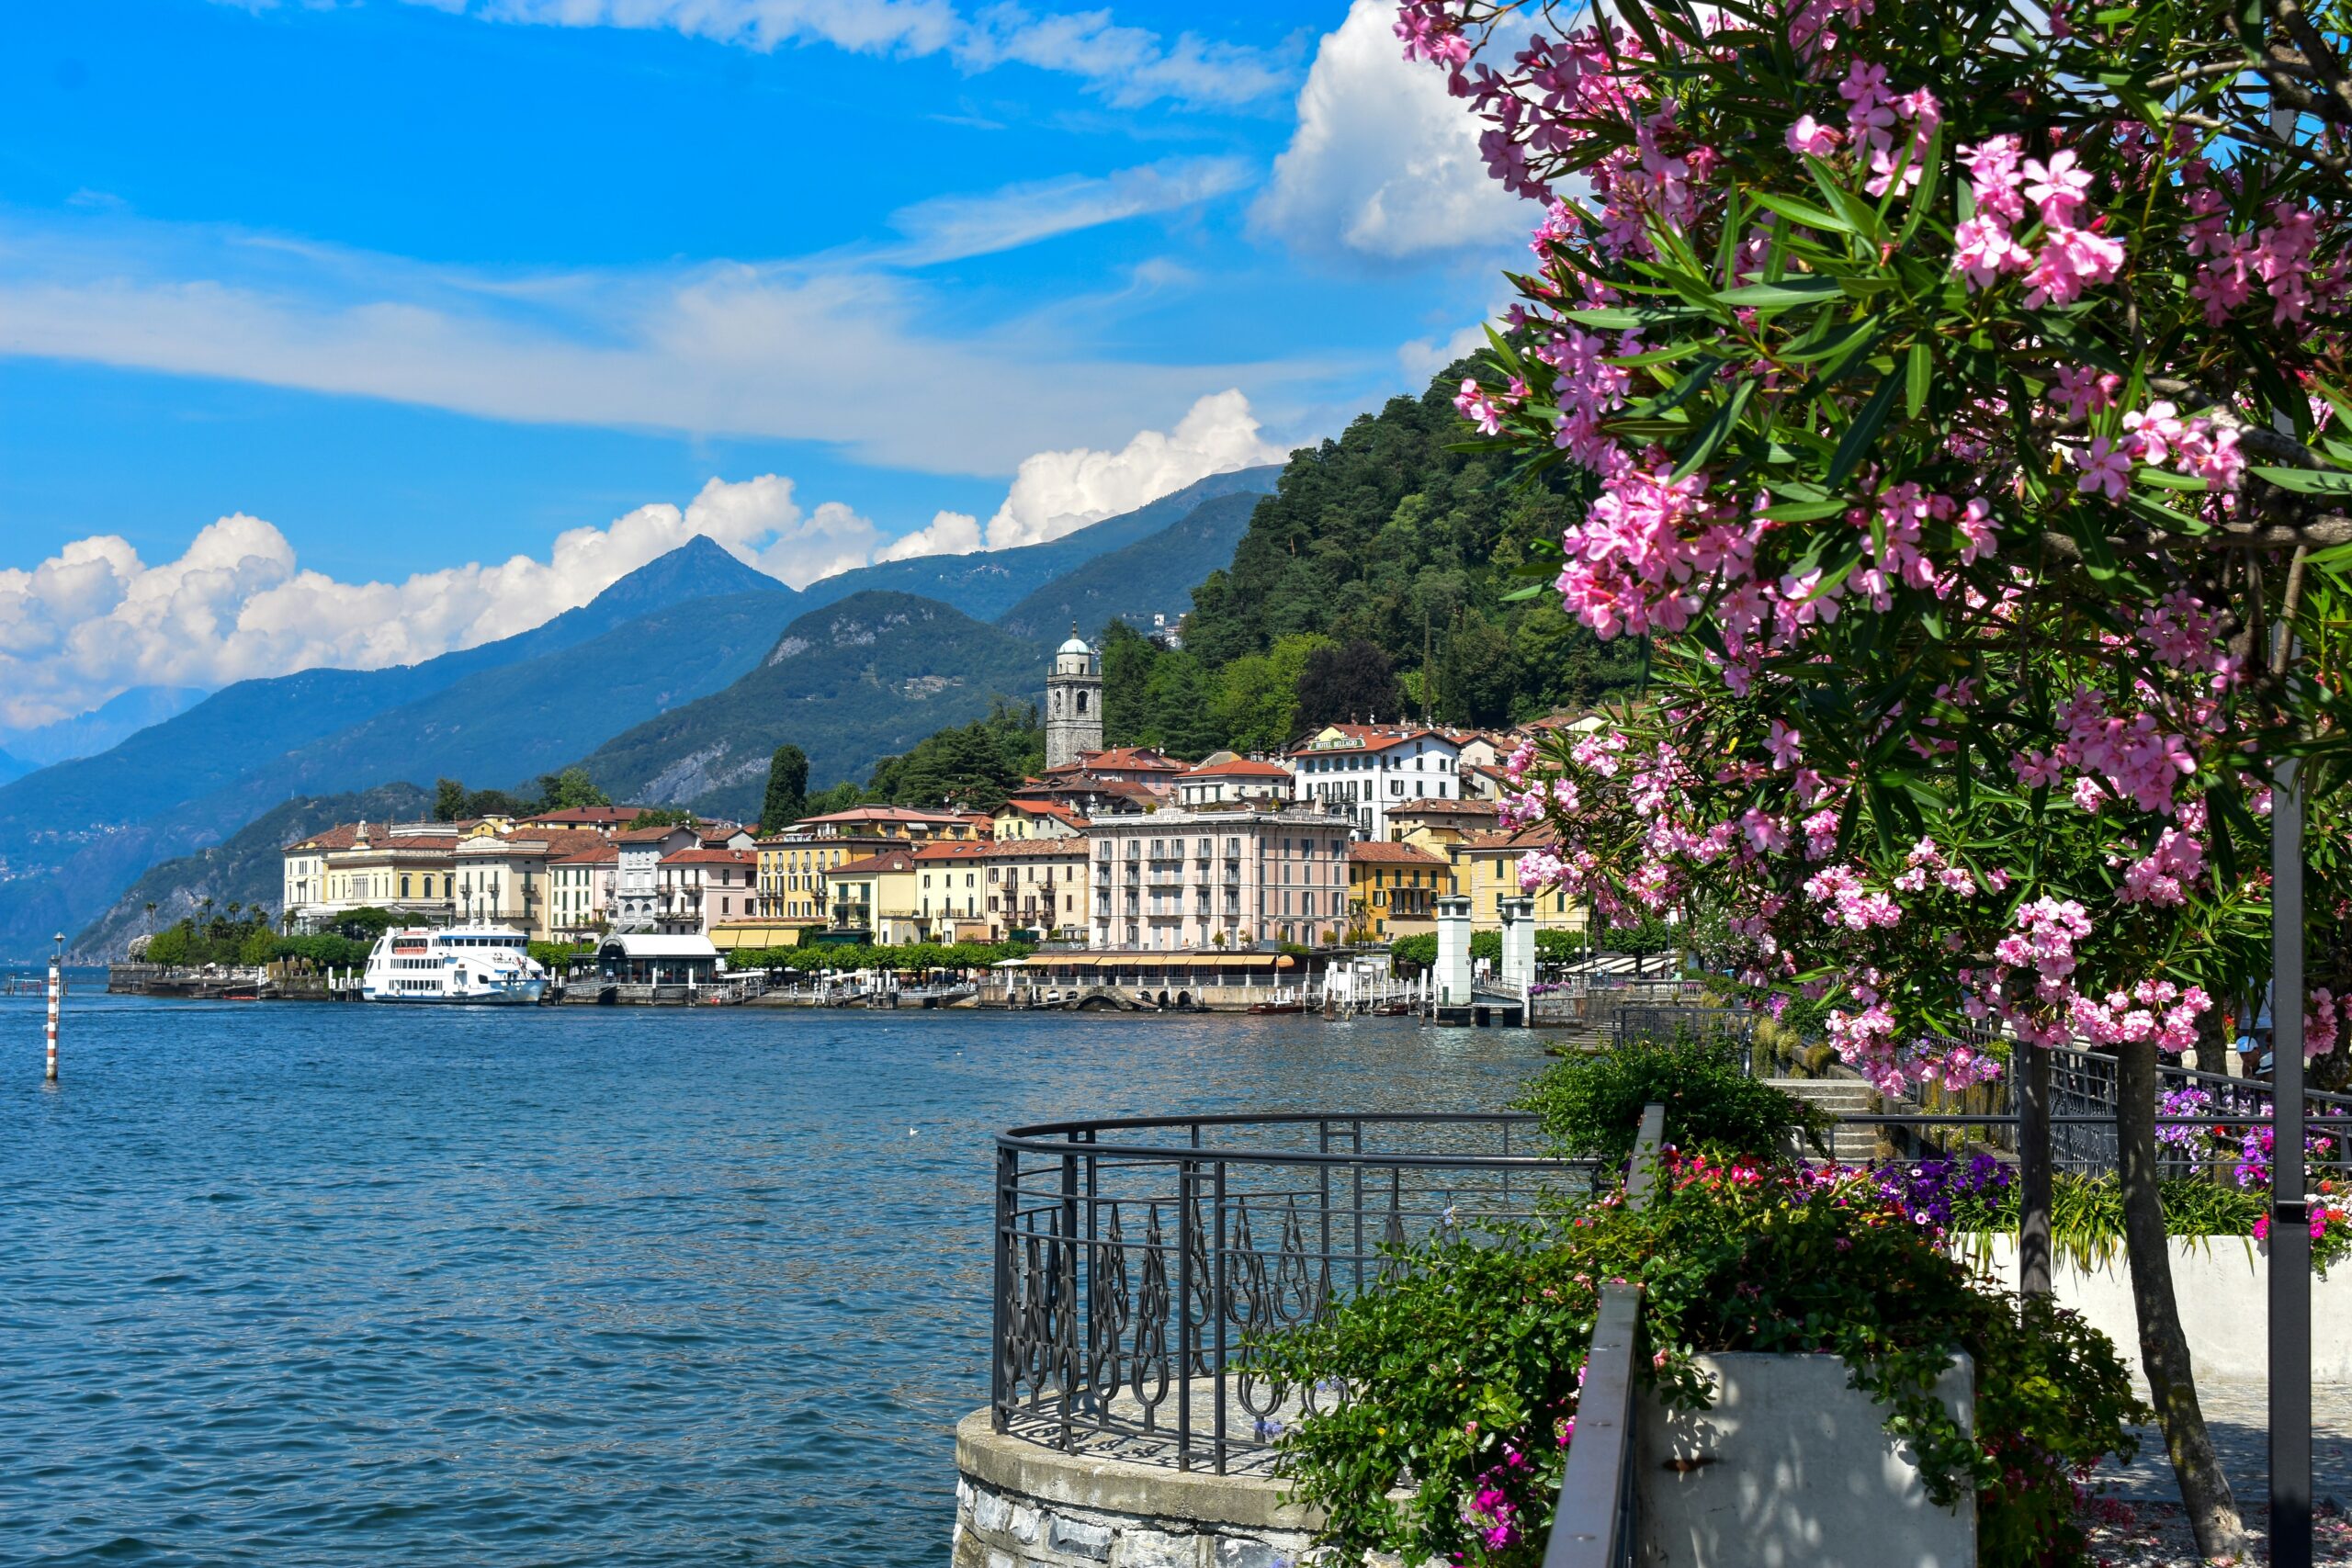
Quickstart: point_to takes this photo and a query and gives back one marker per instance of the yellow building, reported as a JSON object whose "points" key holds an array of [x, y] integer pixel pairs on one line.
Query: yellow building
{"points": [[1486, 866], [790, 883], [908, 895], [1392, 889]]}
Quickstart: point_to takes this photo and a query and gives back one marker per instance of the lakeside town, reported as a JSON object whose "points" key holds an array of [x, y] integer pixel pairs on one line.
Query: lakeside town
{"points": [[1350, 836]]}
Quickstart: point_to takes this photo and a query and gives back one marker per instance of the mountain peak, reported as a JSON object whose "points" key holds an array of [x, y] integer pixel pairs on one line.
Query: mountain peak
{"points": [[699, 568]]}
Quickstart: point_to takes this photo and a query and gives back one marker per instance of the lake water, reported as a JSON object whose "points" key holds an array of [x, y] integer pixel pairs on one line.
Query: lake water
{"points": [[304, 1284]]}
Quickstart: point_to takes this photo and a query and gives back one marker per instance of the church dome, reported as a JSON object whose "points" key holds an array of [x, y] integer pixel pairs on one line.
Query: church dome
{"points": [[1074, 645]]}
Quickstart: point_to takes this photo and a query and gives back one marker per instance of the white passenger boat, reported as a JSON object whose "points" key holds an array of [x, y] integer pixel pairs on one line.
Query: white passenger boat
{"points": [[457, 963]]}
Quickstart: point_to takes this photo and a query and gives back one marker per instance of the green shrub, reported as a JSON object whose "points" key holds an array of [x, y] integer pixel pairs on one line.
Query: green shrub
{"points": [[1591, 1106], [1463, 1369]]}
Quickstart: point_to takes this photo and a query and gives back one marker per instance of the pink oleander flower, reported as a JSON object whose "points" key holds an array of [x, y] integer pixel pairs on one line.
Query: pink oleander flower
{"points": [[2057, 187], [1785, 744], [1809, 137], [2105, 469]]}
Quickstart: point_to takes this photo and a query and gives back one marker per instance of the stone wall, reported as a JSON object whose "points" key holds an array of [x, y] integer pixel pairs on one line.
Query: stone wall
{"points": [[1022, 1505]]}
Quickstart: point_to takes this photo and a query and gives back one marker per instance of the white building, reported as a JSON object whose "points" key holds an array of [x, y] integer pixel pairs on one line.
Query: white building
{"points": [[1365, 769], [637, 876]]}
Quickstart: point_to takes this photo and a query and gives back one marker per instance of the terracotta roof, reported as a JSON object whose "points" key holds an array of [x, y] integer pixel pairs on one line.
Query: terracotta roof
{"points": [[1510, 840], [1129, 757], [710, 857], [1430, 806], [895, 859], [594, 854], [1368, 738], [1240, 767], [964, 849], [1023, 849], [882, 814], [1387, 851], [649, 835], [342, 835], [585, 816]]}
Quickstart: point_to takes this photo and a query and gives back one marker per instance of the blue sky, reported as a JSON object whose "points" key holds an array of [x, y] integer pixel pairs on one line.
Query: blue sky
{"points": [[320, 324]]}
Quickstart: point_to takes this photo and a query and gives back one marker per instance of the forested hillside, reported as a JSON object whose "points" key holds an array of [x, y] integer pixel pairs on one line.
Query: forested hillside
{"points": [[1384, 536]]}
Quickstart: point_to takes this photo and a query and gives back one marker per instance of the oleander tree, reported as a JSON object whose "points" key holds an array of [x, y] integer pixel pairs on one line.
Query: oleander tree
{"points": [[1961, 395]]}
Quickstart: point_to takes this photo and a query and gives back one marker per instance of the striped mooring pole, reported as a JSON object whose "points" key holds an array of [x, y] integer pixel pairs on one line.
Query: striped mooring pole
{"points": [[56, 991]]}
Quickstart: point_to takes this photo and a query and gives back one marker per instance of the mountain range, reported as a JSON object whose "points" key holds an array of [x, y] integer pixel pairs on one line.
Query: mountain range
{"points": [[673, 686]]}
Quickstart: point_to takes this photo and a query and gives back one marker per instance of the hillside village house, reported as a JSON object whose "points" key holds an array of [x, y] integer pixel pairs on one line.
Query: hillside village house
{"points": [[704, 885], [1035, 886], [1227, 780], [899, 823], [583, 892], [1121, 764], [1364, 770], [1392, 889], [1228, 878], [1438, 825]]}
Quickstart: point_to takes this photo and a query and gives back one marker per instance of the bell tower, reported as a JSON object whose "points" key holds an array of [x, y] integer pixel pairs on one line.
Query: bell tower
{"points": [[1073, 702]]}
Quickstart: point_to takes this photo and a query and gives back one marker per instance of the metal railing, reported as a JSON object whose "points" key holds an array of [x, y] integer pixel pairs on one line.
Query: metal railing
{"points": [[1595, 1522], [1141, 1263]]}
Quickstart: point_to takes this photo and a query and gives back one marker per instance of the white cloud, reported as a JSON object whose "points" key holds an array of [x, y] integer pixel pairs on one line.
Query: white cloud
{"points": [[1126, 65], [949, 227], [95, 619], [1059, 492], [1384, 164], [818, 350]]}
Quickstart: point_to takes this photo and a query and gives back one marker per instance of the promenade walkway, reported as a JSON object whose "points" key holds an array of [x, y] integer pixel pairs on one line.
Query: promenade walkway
{"points": [[2144, 1525]]}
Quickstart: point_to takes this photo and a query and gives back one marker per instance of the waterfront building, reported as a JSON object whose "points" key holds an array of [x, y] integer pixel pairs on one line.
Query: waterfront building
{"points": [[637, 876], [1365, 769], [1227, 780], [638, 958], [508, 879], [903, 894], [1392, 889], [792, 869], [1073, 703], [1036, 887], [1218, 878], [581, 891], [405, 867], [699, 887], [1486, 866], [950, 888]]}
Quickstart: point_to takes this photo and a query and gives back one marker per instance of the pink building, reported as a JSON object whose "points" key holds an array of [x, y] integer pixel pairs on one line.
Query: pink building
{"points": [[703, 887], [1176, 880]]}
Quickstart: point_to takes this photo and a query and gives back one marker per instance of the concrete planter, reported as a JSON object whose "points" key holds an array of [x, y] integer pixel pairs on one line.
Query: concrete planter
{"points": [[1791, 1467], [2223, 1286]]}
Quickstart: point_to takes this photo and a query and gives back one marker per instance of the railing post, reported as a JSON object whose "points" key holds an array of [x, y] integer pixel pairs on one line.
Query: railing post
{"points": [[2291, 1240], [2032, 1085], [1008, 1169], [1219, 1314], [1066, 1339], [1185, 1312]]}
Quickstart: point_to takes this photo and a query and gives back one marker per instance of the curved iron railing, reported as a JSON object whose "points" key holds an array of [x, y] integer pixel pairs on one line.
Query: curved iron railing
{"points": [[1139, 1261]]}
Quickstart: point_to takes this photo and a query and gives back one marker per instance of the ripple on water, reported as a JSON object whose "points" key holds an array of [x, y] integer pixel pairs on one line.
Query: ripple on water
{"points": [[308, 1285]]}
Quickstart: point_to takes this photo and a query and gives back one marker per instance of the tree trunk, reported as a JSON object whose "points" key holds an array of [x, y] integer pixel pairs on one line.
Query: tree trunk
{"points": [[2164, 1349]]}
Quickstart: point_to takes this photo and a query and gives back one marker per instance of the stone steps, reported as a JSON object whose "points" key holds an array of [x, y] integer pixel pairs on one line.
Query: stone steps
{"points": [[1840, 1097]]}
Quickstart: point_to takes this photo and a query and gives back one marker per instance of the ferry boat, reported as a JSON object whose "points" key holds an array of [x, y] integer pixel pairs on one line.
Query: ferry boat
{"points": [[457, 964]]}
